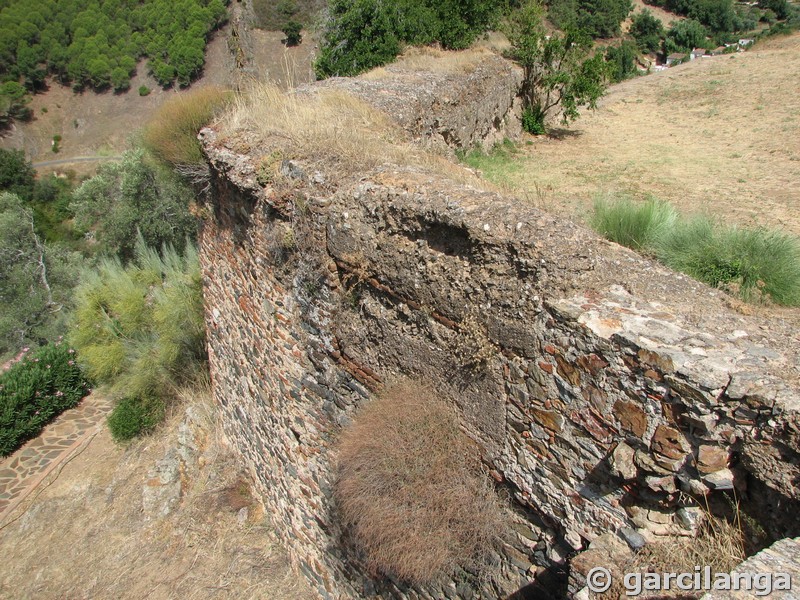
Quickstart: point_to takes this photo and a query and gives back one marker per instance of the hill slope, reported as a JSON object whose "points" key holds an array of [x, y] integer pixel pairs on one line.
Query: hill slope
{"points": [[718, 135]]}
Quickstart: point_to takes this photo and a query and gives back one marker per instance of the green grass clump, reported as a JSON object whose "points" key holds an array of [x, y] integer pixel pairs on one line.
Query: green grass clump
{"points": [[135, 416], [753, 262], [756, 264], [498, 165], [633, 225], [35, 390]]}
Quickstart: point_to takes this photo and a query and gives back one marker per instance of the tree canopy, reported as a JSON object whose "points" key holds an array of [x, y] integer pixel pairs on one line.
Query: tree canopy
{"points": [[560, 72], [97, 43]]}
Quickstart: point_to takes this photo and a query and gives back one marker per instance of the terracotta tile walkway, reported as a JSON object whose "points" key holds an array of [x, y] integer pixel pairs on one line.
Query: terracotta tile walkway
{"points": [[24, 470]]}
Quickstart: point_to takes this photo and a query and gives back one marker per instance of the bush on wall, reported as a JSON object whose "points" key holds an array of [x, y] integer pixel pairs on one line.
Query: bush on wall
{"points": [[410, 491]]}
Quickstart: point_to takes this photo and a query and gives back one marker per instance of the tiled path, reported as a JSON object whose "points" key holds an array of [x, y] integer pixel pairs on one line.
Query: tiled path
{"points": [[24, 470]]}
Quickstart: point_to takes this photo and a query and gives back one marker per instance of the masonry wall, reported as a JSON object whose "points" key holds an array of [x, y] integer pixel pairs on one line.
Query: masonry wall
{"points": [[605, 393]]}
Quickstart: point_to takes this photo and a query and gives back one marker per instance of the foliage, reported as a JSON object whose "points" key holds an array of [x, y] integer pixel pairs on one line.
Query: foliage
{"points": [[171, 134], [135, 416], [35, 281], [636, 226], [560, 74], [17, 175], [364, 34], [684, 36], [717, 16], [498, 164], [780, 8], [14, 100], [757, 264], [598, 18], [98, 44], [533, 121], [140, 328], [621, 61], [647, 30], [134, 194], [292, 32], [144, 90], [35, 390], [410, 491], [272, 15]]}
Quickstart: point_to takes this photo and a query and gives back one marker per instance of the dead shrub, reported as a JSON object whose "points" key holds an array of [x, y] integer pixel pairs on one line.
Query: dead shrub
{"points": [[172, 132], [410, 491]]}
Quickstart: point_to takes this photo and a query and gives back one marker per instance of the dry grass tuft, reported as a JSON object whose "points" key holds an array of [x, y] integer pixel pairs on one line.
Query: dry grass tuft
{"points": [[410, 490], [432, 60], [172, 132], [330, 128]]}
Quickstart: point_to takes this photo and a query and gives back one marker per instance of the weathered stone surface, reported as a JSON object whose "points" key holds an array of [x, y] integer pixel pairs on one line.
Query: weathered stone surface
{"points": [[711, 459], [401, 272]]}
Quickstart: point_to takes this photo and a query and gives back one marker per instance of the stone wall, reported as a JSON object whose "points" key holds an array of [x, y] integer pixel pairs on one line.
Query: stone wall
{"points": [[605, 392]]}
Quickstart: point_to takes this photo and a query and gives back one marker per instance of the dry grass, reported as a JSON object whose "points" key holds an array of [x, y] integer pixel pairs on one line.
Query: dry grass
{"points": [[431, 60], [410, 490], [717, 135], [172, 132], [85, 535], [332, 129]]}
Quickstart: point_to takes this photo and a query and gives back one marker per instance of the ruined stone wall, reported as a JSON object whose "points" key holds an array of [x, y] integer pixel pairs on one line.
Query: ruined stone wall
{"points": [[604, 391]]}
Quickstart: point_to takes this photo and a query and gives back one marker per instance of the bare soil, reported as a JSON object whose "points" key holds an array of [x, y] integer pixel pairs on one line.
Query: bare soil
{"points": [[719, 135], [83, 534]]}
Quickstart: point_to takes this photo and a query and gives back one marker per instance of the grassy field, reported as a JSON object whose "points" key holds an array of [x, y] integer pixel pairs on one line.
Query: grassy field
{"points": [[719, 136]]}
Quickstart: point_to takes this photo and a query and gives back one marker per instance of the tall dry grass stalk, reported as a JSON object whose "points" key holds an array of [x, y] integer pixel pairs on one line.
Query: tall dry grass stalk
{"points": [[410, 489]]}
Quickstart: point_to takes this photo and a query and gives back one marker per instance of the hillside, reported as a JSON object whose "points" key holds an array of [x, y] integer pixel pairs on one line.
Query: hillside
{"points": [[717, 135], [95, 527]]}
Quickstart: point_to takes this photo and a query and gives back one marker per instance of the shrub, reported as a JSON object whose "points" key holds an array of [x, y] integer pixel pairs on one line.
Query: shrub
{"points": [[752, 262], [171, 134], [134, 416], [144, 90], [633, 225], [140, 328], [35, 390], [533, 121], [409, 488], [292, 32]]}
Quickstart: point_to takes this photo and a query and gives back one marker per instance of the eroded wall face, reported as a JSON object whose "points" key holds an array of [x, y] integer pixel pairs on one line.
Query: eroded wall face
{"points": [[593, 408]]}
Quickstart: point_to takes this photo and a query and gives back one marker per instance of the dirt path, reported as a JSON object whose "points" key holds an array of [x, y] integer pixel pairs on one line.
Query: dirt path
{"points": [[74, 159]]}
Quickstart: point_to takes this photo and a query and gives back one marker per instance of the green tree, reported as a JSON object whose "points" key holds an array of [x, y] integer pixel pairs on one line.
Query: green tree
{"points": [[359, 36], [684, 35], [598, 18], [647, 30], [622, 60], [134, 194], [292, 32], [16, 173], [560, 74], [35, 282]]}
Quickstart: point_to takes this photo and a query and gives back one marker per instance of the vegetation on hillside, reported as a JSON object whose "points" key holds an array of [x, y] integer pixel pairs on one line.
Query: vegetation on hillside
{"points": [[136, 194], [597, 18], [140, 327], [560, 72], [36, 389], [364, 34], [756, 264]]}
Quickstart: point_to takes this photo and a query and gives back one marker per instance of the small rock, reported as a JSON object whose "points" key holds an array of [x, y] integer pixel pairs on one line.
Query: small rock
{"points": [[720, 480], [242, 516], [690, 518], [621, 462], [711, 459], [661, 484], [633, 538]]}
